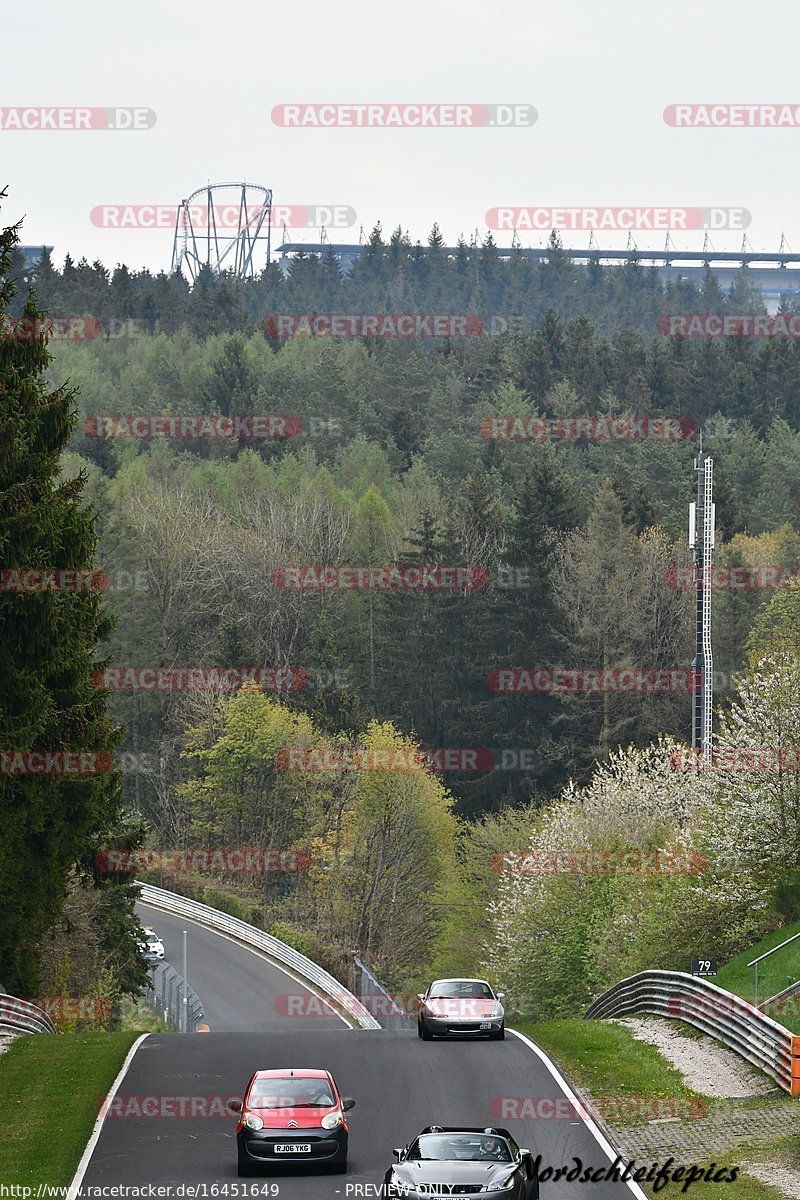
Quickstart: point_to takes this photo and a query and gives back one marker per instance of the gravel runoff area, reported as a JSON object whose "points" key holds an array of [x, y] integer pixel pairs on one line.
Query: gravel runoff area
{"points": [[713, 1071], [706, 1067], [785, 1179]]}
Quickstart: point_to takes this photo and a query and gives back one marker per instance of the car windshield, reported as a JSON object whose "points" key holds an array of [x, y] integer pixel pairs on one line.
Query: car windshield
{"points": [[463, 989], [291, 1093], [459, 1147]]}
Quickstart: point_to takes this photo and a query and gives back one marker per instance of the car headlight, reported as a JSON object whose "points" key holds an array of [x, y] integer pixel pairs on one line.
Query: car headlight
{"points": [[400, 1187], [253, 1122], [498, 1010], [332, 1121], [501, 1185]]}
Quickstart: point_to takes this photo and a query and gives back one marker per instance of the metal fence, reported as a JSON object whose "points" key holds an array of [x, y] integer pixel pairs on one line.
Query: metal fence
{"points": [[727, 1018], [20, 1016], [377, 1001], [777, 1003], [272, 947], [174, 1002]]}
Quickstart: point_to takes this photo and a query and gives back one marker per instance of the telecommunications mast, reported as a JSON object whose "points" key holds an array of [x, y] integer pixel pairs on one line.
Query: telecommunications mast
{"points": [[701, 540]]}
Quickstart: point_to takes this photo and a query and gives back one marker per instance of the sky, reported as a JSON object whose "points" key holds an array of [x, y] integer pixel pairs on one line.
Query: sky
{"points": [[599, 74]]}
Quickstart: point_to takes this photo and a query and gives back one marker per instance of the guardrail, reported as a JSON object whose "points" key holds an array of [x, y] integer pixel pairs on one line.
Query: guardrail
{"points": [[20, 1016], [272, 947], [728, 1018], [387, 1012]]}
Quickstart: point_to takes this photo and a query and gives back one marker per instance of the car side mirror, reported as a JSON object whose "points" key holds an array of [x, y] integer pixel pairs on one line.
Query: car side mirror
{"points": [[501, 995], [235, 1105], [347, 1103], [398, 1152], [420, 995]]}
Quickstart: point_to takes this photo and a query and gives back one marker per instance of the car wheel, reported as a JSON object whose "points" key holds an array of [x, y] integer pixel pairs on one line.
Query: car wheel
{"points": [[419, 1029], [340, 1168], [245, 1169], [500, 1035], [425, 1033]]}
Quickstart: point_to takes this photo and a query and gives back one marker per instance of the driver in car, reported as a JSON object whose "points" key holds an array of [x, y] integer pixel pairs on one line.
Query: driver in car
{"points": [[492, 1149]]}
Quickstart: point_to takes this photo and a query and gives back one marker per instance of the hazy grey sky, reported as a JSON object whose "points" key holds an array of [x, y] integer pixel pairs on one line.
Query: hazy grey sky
{"points": [[598, 72]]}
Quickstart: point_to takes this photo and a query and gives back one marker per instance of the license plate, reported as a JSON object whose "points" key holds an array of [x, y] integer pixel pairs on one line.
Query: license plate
{"points": [[293, 1147], [486, 1024]]}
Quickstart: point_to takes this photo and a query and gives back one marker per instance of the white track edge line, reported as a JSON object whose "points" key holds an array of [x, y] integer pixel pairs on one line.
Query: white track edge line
{"points": [[262, 954], [597, 1133], [77, 1178]]}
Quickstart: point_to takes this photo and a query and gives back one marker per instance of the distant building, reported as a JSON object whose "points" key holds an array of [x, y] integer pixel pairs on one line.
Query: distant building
{"points": [[774, 275]]}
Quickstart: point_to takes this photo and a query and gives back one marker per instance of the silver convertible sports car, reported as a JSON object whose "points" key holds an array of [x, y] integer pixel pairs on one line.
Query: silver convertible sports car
{"points": [[461, 1007], [463, 1162]]}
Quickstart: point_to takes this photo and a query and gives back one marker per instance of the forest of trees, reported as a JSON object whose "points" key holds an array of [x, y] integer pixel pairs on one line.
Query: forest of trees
{"points": [[576, 543]]}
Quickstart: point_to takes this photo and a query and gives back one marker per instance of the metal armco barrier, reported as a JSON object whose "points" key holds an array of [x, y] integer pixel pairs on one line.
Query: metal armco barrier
{"points": [[383, 1006], [20, 1016], [728, 1018], [307, 970], [165, 995]]}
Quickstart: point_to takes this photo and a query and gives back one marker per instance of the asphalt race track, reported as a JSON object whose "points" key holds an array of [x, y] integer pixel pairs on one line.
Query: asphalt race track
{"points": [[399, 1083], [238, 988]]}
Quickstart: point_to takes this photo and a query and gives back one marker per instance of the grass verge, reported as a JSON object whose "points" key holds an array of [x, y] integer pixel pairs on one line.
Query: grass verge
{"points": [[774, 974], [606, 1061], [50, 1089]]}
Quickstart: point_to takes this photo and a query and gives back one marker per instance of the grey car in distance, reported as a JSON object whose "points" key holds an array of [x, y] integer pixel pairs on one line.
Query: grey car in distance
{"points": [[461, 1008]]}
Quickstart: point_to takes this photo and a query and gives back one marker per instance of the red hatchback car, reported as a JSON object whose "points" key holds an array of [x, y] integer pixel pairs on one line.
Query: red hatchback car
{"points": [[293, 1116]]}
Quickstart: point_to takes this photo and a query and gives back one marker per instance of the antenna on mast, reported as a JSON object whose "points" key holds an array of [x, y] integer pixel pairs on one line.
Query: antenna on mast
{"points": [[701, 540]]}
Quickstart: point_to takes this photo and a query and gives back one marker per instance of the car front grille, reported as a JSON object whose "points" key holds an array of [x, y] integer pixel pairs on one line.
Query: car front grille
{"points": [[319, 1147]]}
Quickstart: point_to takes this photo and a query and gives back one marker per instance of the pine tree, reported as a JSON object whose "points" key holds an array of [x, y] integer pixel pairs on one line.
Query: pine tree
{"points": [[48, 701]]}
